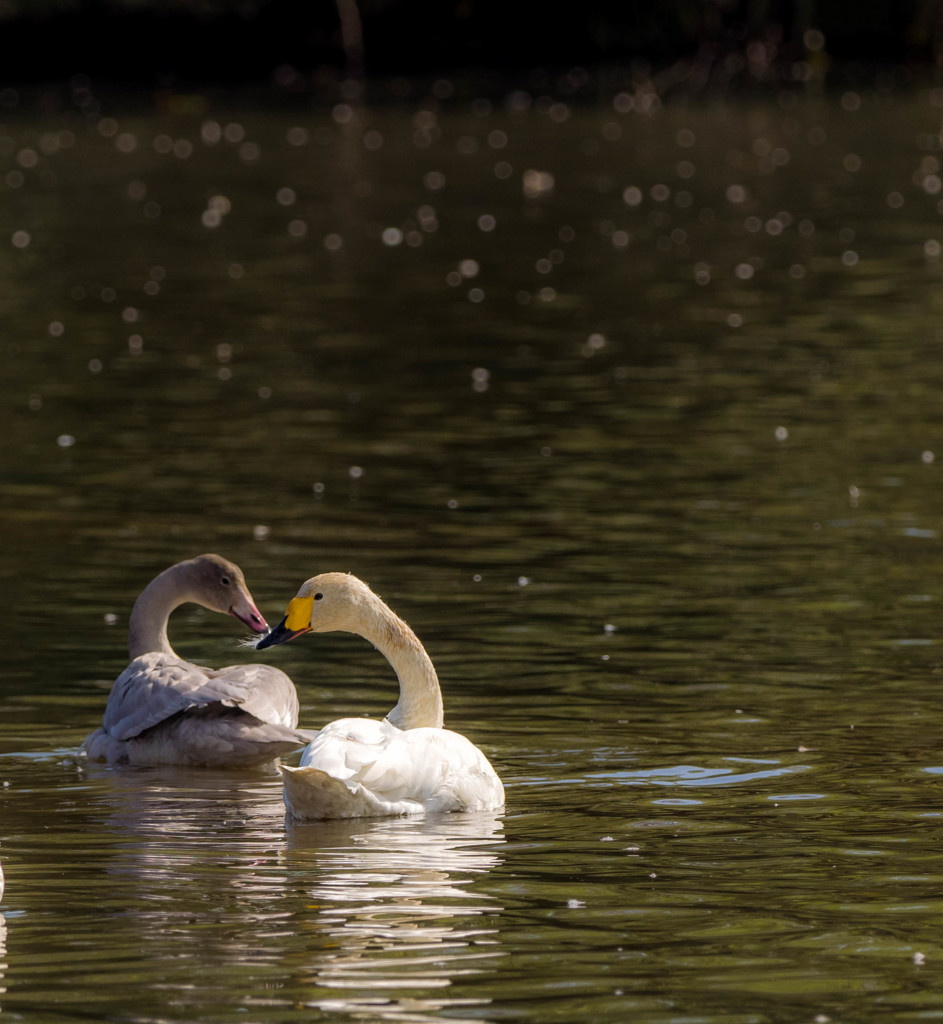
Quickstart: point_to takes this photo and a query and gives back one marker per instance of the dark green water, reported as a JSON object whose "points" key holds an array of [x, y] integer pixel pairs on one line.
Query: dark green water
{"points": [[650, 459]]}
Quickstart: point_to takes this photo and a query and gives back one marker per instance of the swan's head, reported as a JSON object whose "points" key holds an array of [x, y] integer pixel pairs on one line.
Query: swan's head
{"points": [[331, 602], [218, 584]]}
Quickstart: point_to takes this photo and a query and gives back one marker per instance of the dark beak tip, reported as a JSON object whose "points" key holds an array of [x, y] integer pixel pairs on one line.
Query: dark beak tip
{"points": [[265, 640], [278, 635]]}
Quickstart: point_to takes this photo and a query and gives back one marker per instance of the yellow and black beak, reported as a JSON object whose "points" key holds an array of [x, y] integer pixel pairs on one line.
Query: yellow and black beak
{"points": [[297, 620], [279, 635]]}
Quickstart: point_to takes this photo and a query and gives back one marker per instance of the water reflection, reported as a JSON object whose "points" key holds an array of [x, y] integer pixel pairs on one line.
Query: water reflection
{"points": [[398, 912], [3, 954], [697, 776], [176, 827], [169, 801], [650, 456]]}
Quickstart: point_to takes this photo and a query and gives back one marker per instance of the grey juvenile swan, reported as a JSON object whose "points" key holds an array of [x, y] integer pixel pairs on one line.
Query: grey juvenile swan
{"points": [[164, 710]]}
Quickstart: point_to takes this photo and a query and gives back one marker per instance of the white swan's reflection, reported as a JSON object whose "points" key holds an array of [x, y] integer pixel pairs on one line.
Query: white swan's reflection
{"points": [[3, 953], [398, 904]]}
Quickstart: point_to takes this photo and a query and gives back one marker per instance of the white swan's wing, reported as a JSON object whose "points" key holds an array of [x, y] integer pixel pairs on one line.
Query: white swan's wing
{"points": [[346, 747], [386, 770], [463, 778]]}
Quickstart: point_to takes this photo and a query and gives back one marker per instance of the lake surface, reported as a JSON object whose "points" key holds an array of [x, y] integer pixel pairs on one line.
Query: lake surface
{"points": [[632, 410]]}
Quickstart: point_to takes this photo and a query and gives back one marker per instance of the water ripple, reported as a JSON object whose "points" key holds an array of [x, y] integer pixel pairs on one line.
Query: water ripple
{"points": [[692, 775]]}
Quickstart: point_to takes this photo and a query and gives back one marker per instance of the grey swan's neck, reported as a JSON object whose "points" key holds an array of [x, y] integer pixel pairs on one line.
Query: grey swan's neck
{"points": [[147, 627]]}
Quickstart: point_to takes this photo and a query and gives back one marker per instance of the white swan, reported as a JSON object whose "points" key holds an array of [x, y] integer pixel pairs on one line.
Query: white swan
{"points": [[164, 710], [406, 764]]}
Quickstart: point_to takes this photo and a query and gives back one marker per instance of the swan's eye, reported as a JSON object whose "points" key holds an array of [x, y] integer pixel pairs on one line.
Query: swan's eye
{"points": [[318, 597], [224, 580]]}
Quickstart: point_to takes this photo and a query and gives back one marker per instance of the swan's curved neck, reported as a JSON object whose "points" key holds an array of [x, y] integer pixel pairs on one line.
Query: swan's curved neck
{"points": [[420, 699], [147, 627]]}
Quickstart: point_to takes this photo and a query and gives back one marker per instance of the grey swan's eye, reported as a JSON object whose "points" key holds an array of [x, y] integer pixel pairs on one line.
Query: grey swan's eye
{"points": [[224, 580], [318, 597]]}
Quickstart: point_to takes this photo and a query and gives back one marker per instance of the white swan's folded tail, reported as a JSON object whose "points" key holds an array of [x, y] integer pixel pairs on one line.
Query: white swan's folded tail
{"points": [[311, 794]]}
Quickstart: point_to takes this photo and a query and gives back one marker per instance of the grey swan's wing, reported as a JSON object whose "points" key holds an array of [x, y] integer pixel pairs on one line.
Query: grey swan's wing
{"points": [[156, 687], [260, 690]]}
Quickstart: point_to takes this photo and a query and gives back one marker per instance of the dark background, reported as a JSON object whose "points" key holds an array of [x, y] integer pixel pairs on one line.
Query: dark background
{"points": [[299, 45]]}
